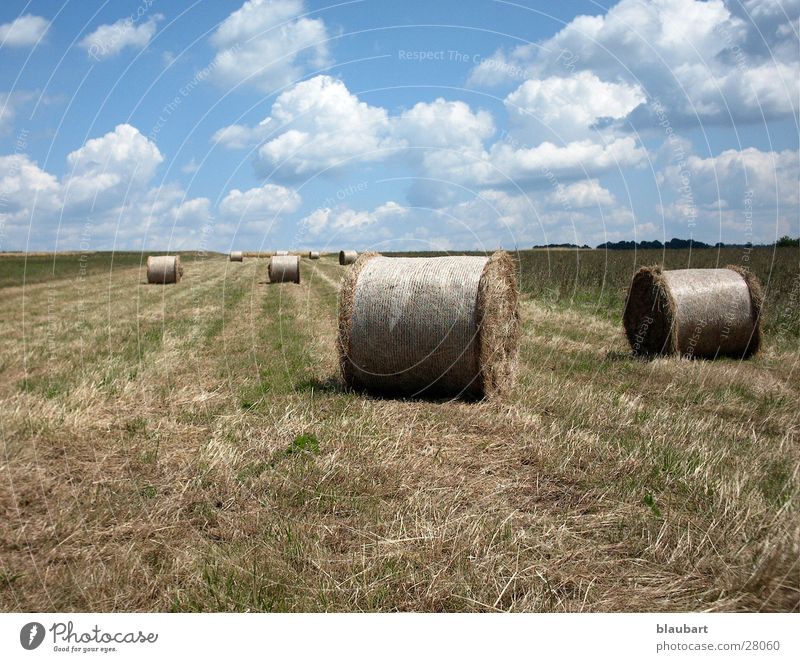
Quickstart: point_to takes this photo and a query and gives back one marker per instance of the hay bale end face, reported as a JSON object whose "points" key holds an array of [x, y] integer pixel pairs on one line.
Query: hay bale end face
{"points": [[313, 255], [446, 326], [164, 269], [284, 269], [693, 312], [237, 256], [347, 257]]}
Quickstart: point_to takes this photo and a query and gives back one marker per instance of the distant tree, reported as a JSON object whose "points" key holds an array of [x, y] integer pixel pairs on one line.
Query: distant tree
{"points": [[787, 242]]}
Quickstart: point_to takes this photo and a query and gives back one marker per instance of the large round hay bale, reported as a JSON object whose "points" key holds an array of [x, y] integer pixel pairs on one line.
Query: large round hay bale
{"points": [[237, 256], [433, 326], [281, 253], [284, 269], [164, 269], [313, 255], [347, 257], [694, 312]]}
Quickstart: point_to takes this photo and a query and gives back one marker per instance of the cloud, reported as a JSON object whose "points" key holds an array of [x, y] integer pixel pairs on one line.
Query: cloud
{"points": [[109, 197], [241, 136], [506, 164], [322, 125], [319, 124], [110, 40], [268, 45], [119, 160], [581, 195], [563, 216], [565, 109], [444, 124], [747, 195], [25, 186], [187, 212], [106, 198], [191, 167], [701, 59], [26, 30], [582, 212], [267, 200], [349, 222], [10, 103]]}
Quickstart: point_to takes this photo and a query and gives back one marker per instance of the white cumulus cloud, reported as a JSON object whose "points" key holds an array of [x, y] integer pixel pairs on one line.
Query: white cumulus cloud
{"points": [[582, 194], [346, 221], [506, 164], [110, 40], [707, 60], [269, 44], [121, 159], [446, 124], [26, 30], [323, 126], [747, 195], [568, 108], [264, 201]]}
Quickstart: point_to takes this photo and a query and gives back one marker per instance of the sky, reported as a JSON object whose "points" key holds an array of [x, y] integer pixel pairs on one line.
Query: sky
{"points": [[415, 125]]}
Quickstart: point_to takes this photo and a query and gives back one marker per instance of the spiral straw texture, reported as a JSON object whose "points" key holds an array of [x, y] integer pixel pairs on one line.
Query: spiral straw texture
{"points": [[284, 269], [443, 326], [164, 269], [694, 312]]}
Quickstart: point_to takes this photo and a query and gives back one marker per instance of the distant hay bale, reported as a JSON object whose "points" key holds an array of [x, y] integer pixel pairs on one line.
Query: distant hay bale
{"points": [[694, 312], [164, 269], [313, 255], [347, 257], [438, 326], [237, 256], [284, 269], [281, 253]]}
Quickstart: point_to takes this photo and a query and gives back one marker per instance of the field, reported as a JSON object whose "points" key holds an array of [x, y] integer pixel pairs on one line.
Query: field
{"points": [[190, 448]]}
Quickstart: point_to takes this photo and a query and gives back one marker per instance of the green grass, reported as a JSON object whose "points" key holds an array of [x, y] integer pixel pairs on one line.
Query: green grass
{"points": [[17, 270], [596, 281], [191, 448]]}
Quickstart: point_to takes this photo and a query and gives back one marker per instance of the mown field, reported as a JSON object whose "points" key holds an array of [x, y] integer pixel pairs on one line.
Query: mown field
{"points": [[190, 447]]}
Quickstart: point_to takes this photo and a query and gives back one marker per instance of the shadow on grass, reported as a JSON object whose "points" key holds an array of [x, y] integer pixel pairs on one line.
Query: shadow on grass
{"points": [[329, 385], [336, 385]]}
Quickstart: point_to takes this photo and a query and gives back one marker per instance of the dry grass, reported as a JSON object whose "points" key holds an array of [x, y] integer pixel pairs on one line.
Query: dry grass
{"points": [[189, 448]]}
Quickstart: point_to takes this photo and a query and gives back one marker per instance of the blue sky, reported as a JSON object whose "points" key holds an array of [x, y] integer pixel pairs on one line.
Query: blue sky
{"points": [[450, 125]]}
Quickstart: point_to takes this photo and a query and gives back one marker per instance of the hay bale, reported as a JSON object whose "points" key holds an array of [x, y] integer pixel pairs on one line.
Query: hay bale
{"points": [[433, 326], [164, 269], [237, 256], [694, 312], [281, 253], [313, 255], [284, 269], [347, 257]]}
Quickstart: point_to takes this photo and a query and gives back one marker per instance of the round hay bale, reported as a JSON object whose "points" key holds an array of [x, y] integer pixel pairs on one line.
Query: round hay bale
{"points": [[694, 312], [347, 257], [434, 326], [164, 269], [313, 255], [237, 256], [284, 269], [281, 253]]}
